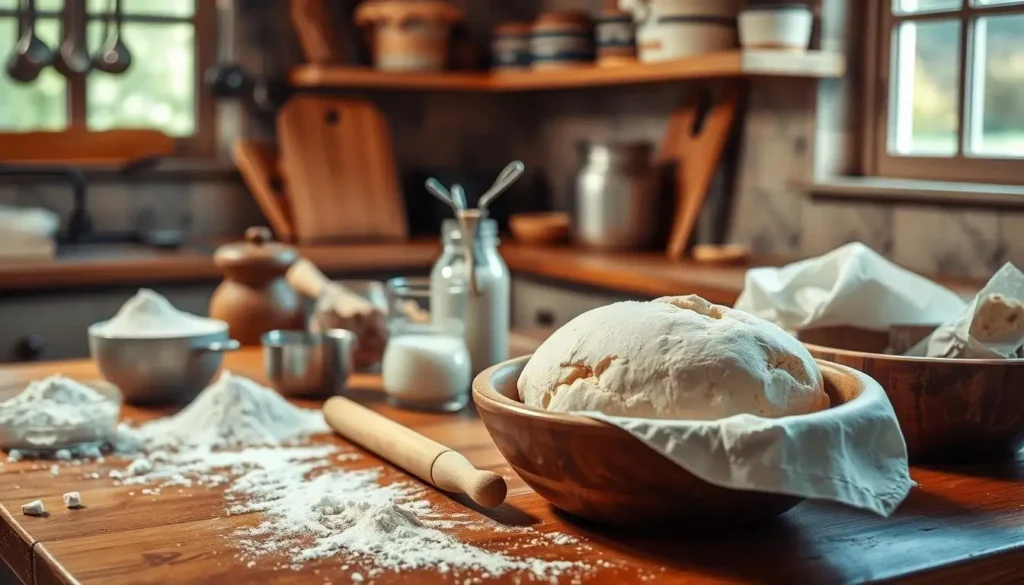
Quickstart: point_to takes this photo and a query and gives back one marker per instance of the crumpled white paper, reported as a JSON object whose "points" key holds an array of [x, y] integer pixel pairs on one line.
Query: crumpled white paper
{"points": [[851, 285], [990, 327], [853, 453]]}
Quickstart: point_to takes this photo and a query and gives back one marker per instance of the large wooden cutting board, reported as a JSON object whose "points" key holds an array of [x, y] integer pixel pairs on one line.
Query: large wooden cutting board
{"points": [[337, 161]]}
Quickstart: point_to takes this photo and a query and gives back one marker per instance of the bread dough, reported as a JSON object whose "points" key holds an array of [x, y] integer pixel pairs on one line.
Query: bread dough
{"points": [[673, 358], [998, 319]]}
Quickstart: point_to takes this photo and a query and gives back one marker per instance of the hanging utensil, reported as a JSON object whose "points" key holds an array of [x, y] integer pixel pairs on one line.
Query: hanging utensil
{"points": [[113, 56], [73, 56], [510, 174], [31, 55]]}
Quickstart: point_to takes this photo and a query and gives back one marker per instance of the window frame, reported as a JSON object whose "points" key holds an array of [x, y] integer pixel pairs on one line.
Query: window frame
{"points": [[202, 143], [877, 161]]}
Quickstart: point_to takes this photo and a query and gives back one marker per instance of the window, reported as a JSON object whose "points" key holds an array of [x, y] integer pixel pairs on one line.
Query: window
{"points": [[945, 90], [171, 43]]}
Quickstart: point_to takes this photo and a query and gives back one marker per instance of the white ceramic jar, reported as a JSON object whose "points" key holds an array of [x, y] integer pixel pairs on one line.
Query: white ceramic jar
{"points": [[786, 26], [675, 29]]}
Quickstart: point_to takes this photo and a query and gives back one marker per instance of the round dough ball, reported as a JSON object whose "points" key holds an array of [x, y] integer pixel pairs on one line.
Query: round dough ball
{"points": [[673, 358]]}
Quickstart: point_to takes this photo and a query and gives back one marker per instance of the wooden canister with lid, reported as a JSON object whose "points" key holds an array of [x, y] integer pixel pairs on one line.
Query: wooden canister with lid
{"points": [[409, 35], [562, 39], [254, 297]]}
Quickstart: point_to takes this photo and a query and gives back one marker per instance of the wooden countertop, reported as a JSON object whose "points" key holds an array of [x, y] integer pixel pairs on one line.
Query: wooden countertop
{"points": [[639, 273], [957, 526]]}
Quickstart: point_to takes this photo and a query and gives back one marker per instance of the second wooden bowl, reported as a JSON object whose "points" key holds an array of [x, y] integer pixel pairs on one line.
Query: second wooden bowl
{"points": [[603, 474], [540, 229], [950, 410]]}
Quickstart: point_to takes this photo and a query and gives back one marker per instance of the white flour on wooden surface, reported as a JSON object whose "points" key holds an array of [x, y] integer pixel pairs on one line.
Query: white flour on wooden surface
{"points": [[390, 527], [149, 314], [242, 437], [69, 411]]}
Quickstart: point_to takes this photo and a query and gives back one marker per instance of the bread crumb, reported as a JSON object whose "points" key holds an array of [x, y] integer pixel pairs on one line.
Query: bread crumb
{"points": [[357, 577], [54, 470], [73, 500], [33, 508], [14, 455]]}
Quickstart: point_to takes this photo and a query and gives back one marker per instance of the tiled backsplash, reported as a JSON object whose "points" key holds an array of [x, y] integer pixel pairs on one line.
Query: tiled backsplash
{"points": [[206, 209], [774, 215]]}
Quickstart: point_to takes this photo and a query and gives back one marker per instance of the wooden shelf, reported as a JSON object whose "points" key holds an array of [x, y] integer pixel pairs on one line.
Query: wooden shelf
{"points": [[728, 64]]}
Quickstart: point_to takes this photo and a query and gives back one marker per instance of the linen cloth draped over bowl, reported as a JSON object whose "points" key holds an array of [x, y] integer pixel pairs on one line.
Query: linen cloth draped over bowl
{"points": [[851, 285], [853, 453]]}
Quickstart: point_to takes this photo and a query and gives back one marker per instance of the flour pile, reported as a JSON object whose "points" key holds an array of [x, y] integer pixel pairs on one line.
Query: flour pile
{"points": [[233, 412], [57, 411], [149, 314]]}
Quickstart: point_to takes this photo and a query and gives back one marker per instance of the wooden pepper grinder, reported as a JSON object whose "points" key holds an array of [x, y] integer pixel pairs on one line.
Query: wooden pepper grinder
{"points": [[254, 297]]}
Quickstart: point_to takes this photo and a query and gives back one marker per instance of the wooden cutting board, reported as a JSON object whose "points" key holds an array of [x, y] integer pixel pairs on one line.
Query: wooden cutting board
{"points": [[337, 161], [257, 163]]}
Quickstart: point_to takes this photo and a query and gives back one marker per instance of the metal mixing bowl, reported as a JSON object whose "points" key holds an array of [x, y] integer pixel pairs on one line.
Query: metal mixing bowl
{"points": [[299, 363], [159, 370]]}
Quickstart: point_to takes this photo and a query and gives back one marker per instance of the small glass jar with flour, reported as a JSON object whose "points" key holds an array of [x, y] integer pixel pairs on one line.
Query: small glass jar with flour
{"points": [[486, 310], [426, 365]]}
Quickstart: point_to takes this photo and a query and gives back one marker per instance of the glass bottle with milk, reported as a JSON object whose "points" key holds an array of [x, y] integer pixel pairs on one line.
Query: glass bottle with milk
{"points": [[485, 313]]}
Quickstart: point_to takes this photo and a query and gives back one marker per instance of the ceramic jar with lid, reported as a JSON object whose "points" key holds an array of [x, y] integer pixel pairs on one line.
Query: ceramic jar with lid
{"points": [[676, 29], [254, 297], [409, 35], [510, 48], [562, 39], [615, 35]]}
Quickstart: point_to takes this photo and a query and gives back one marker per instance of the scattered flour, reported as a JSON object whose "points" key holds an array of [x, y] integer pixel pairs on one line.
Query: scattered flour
{"points": [[390, 527], [244, 438], [149, 314], [56, 411], [233, 412]]}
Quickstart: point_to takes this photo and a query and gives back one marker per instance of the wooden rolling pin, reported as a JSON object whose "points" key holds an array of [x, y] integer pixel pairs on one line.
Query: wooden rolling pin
{"points": [[428, 460]]}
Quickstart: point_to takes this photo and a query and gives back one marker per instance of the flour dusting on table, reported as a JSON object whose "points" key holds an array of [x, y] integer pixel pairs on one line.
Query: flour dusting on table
{"points": [[247, 440]]}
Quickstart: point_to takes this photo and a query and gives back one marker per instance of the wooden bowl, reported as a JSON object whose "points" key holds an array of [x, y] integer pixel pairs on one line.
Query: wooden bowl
{"points": [[540, 229], [950, 411], [603, 474]]}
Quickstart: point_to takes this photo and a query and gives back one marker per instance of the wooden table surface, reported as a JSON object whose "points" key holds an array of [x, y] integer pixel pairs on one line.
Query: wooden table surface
{"points": [[957, 526]]}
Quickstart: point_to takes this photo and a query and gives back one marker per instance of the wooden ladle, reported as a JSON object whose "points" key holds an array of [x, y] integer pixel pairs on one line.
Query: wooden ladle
{"points": [[31, 55]]}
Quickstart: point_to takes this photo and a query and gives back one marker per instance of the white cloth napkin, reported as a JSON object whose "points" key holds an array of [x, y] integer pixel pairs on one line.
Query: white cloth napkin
{"points": [[852, 453], [851, 285], [990, 327]]}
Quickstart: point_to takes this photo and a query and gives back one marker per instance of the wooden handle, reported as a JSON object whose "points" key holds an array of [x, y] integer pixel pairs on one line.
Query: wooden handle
{"points": [[306, 278], [428, 460]]}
